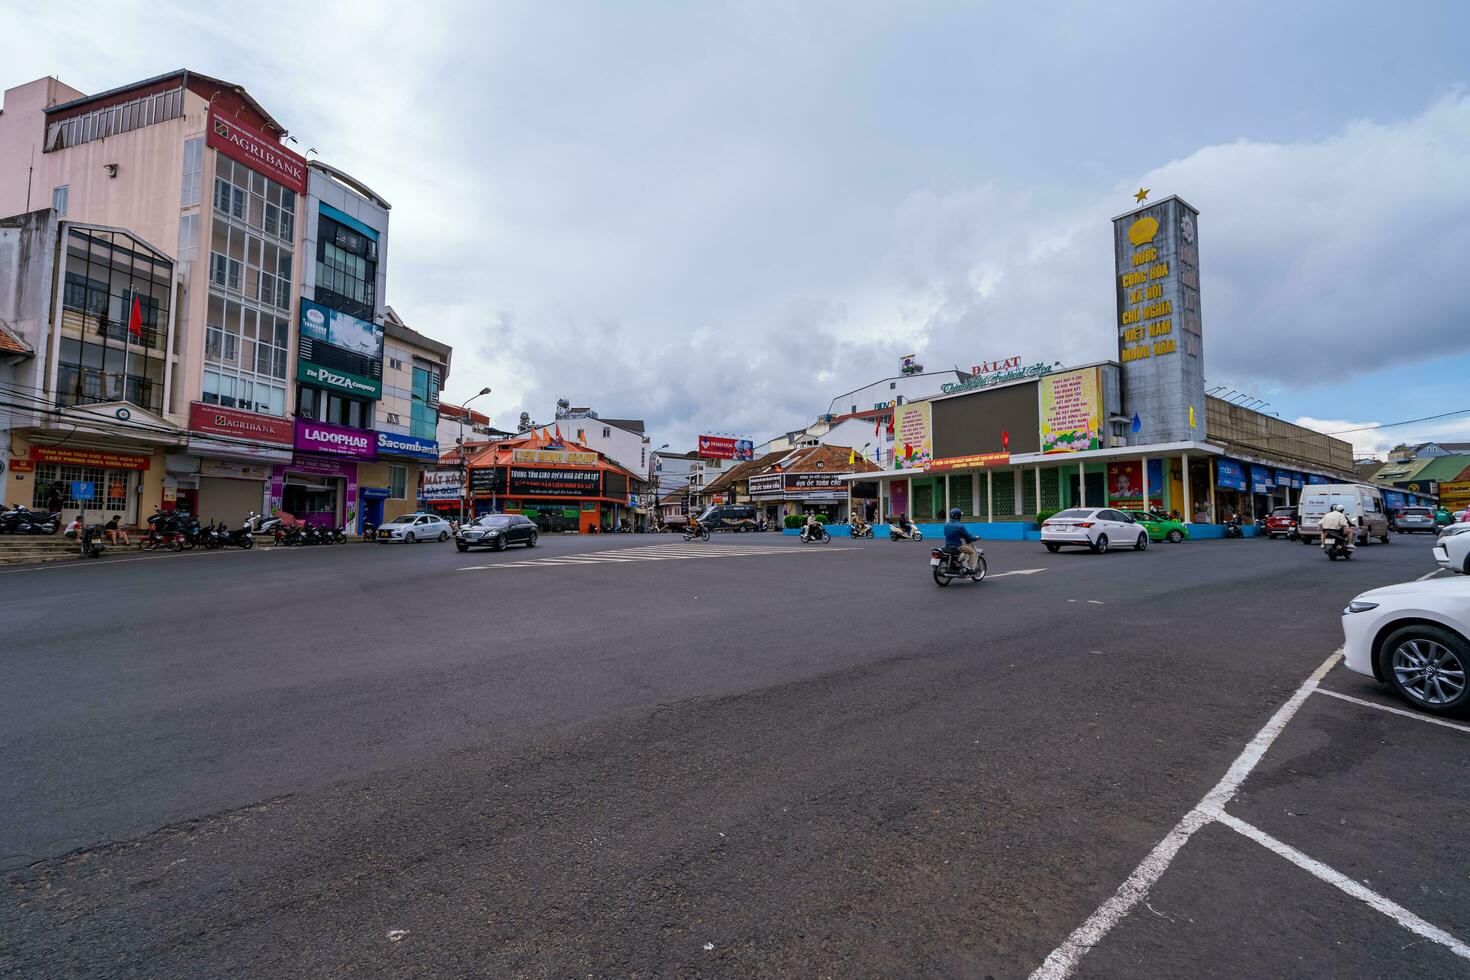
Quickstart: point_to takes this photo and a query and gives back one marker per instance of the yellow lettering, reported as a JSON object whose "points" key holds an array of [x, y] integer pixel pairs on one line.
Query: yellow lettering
{"points": [[1130, 316], [1160, 328], [1154, 291], [1164, 347], [1146, 256], [1159, 271], [1131, 279]]}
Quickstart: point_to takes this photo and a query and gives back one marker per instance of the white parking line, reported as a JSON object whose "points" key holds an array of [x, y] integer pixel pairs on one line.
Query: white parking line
{"points": [[1316, 868], [665, 552], [1395, 711], [1064, 959]]}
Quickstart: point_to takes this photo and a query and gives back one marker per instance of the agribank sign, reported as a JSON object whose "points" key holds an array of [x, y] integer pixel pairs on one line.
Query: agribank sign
{"points": [[335, 440], [257, 151]]}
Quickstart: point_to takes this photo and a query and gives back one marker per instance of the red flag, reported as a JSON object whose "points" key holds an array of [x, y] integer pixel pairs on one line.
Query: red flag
{"points": [[908, 451], [1005, 440], [558, 432], [135, 321], [890, 425]]}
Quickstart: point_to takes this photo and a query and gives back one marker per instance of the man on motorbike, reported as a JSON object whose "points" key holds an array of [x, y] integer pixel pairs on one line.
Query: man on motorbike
{"points": [[1335, 522], [904, 526], [858, 524], [957, 537], [813, 527]]}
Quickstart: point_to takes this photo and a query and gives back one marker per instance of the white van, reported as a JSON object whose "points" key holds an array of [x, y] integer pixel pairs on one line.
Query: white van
{"points": [[1363, 506]]}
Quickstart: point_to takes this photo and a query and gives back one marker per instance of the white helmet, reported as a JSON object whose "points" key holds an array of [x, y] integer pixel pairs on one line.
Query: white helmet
{"points": [[1337, 507]]}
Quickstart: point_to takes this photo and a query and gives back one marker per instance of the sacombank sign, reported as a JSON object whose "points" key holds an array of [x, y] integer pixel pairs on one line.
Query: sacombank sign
{"points": [[335, 440], [257, 151]]}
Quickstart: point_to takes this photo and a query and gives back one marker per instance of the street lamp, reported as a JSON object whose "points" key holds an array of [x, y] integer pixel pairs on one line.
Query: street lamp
{"points": [[464, 410]]}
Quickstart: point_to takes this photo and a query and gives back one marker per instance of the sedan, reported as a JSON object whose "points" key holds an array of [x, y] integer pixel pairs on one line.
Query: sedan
{"points": [[1413, 638], [1097, 528], [1452, 549], [497, 531], [414, 527], [1414, 519], [1160, 527]]}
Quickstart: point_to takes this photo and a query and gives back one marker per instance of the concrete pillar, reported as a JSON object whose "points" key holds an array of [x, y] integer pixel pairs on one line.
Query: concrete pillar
{"points": [[909, 482], [989, 496], [946, 495], [1145, 484], [1038, 488], [1188, 497], [1210, 468], [975, 494], [1081, 484]]}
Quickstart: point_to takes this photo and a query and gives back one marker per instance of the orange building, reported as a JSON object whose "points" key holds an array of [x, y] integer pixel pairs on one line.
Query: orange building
{"points": [[559, 484]]}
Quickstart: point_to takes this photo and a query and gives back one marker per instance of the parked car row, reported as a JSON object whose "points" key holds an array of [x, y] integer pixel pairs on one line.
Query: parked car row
{"points": [[1102, 528]]}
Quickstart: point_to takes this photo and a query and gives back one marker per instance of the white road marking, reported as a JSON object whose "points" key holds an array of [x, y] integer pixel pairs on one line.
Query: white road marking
{"points": [[1428, 575], [1316, 868], [1016, 571], [1094, 602], [1395, 711], [1065, 958]]}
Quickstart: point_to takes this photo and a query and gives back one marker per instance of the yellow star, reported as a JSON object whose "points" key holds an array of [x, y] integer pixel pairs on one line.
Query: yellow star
{"points": [[1142, 195]]}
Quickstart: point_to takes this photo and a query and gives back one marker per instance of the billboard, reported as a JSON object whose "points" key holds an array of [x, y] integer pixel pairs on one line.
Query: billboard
{"points": [[1071, 412], [441, 485], [342, 330], [395, 444], [335, 440], [216, 420], [554, 457], [1125, 484], [993, 420], [528, 481], [724, 447], [1452, 496], [913, 434], [259, 152], [344, 381]]}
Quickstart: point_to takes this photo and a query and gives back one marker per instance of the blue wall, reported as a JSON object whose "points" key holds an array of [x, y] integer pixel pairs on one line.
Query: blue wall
{"points": [[1019, 531]]}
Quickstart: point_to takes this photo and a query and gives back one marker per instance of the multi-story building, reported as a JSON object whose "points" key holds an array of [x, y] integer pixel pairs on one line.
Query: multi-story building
{"points": [[415, 368], [624, 441]]}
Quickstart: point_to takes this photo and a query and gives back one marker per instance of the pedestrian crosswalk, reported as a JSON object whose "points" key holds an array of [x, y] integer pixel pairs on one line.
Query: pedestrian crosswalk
{"points": [[690, 551]]}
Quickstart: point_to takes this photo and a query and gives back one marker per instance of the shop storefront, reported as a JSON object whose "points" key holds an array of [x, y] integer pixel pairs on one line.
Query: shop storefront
{"points": [[90, 480], [319, 485], [228, 460], [391, 486], [555, 484]]}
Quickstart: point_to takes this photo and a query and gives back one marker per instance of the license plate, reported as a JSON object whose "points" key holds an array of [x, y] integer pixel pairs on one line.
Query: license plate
{"points": [[385, 535], [934, 561]]}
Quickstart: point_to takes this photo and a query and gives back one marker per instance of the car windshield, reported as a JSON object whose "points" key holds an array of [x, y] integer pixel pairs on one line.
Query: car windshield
{"points": [[493, 520], [1283, 512], [709, 512], [405, 519], [1418, 511], [1073, 514]]}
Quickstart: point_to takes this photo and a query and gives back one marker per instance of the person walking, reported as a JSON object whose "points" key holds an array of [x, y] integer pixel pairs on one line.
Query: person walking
{"points": [[54, 499]]}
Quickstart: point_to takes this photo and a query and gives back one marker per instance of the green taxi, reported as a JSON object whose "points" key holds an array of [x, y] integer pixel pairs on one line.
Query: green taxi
{"points": [[1160, 527]]}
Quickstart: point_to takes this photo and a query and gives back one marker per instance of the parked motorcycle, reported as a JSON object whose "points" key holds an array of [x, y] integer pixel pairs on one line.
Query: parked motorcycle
{"points": [[93, 541], [1232, 527], [950, 565], [896, 533], [22, 520], [240, 537], [337, 535], [259, 524], [1335, 545], [822, 535], [866, 532]]}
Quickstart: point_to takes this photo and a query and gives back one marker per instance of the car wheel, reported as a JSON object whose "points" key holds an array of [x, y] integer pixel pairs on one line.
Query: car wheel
{"points": [[409, 537], [443, 535], [531, 541], [1427, 665], [498, 545], [1053, 548], [1141, 543], [1100, 546], [1175, 536], [461, 547], [1384, 539]]}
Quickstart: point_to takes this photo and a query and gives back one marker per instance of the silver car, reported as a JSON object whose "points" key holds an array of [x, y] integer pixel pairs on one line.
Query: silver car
{"points": [[1408, 519], [415, 527]]}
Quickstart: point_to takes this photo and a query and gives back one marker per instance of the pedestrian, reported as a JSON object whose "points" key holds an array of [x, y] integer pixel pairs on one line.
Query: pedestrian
{"points": [[115, 532], [54, 499]]}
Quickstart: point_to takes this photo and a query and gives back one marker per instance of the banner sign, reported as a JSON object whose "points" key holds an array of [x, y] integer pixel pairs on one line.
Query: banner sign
{"points": [[1125, 483], [1454, 496], [968, 462], [913, 434], [1012, 372], [247, 145], [335, 440], [86, 457], [215, 469], [1260, 479], [328, 326], [1317, 479], [768, 483], [554, 457], [393, 444], [1071, 420], [1228, 474], [343, 381], [1283, 479], [1393, 501], [1430, 487], [527, 482], [722, 447], [244, 425], [441, 485]]}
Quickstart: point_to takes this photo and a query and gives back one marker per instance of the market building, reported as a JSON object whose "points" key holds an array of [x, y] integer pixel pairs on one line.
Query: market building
{"points": [[832, 481], [1032, 437], [558, 483]]}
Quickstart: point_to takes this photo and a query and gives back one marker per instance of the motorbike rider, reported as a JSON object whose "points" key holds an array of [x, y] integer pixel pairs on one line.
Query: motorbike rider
{"points": [[957, 537], [904, 526], [858, 524], [1335, 520], [813, 527]]}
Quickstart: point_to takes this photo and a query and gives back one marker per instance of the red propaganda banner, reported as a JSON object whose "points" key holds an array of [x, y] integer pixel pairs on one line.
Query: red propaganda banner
{"points": [[968, 462], [21, 465], [724, 447], [243, 425], [86, 457], [259, 152]]}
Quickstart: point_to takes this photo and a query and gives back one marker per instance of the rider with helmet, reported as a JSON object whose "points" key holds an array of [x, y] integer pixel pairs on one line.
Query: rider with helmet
{"points": [[1336, 521], [957, 537]]}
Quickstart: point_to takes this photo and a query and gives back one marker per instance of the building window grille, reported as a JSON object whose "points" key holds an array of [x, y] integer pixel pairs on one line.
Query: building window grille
{"points": [[114, 119]]}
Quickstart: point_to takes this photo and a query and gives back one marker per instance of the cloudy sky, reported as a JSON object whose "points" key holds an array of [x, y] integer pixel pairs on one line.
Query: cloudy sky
{"points": [[715, 216]]}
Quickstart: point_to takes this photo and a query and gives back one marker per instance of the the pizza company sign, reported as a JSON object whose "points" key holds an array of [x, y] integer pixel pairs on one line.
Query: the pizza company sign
{"points": [[257, 151]]}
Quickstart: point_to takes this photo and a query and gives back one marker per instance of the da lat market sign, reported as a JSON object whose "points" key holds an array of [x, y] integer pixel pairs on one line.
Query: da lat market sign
{"points": [[1071, 416], [1004, 371]]}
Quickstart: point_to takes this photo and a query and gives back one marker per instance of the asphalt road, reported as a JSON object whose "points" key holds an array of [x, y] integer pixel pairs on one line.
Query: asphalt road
{"points": [[772, 760]]}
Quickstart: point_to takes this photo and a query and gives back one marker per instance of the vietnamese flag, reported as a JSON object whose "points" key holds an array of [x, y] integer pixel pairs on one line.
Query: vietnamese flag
{"points": [[135, 319], [1005, 440]]}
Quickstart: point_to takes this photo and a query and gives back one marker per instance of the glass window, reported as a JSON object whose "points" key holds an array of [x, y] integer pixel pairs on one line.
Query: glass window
{"points": [[58, 199], [193, 171], [398, 482]]}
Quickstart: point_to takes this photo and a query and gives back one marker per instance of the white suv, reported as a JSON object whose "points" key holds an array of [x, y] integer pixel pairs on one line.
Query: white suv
{"points": [[1098, 528]]}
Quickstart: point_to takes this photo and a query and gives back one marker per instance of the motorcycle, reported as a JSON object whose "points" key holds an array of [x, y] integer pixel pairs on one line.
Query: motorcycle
{"points": [[950, 565], [370, 531], [866, 532], [823, 535], [1335, 545], [92, 541], [1232, 528], [338, 535], [896, 533], [258, 524], [690, 534], [22, 520]]}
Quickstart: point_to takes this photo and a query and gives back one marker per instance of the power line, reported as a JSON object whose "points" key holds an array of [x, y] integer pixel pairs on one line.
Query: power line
{"points": [[1390, 425]]}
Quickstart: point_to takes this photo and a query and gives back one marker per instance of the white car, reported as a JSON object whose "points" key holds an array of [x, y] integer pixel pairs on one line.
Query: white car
{"points": [[1414, 637], [415, 527], [1098, 528], [1452, 548]]}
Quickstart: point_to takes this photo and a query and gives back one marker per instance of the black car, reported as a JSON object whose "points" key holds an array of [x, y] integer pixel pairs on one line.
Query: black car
{"points": [[497, 531], [729, 517]]}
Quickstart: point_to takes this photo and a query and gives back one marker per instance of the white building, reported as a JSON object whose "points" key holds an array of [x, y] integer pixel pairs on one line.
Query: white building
{"points": [[621, 440], [882, 394]]}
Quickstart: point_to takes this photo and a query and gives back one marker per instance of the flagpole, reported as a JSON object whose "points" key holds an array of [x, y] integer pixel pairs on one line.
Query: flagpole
{"points": [[128, 340]]}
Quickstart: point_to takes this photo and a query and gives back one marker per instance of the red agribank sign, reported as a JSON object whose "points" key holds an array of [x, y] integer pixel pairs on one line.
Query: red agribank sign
{"points": [[243, 425], [257, 151]]}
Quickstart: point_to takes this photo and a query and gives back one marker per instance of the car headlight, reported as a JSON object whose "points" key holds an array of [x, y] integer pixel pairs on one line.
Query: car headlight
{"points": [[1358, 605]]}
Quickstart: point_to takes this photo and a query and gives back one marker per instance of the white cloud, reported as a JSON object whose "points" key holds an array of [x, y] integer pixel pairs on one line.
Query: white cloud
{"points": [[1369, 440]]}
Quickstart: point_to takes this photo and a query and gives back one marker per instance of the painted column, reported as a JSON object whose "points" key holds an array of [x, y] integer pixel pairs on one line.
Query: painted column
{"points": [[975, 494], [1081, 484], [989, 496], [1145, 484], [909, 482], [1038, 488], [1213, 480], [882, 496], [1188, 498], [946, 495]]}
